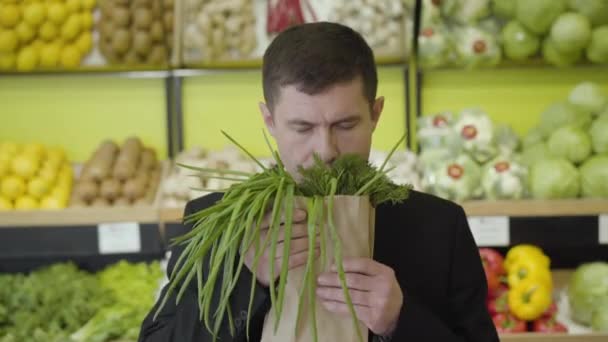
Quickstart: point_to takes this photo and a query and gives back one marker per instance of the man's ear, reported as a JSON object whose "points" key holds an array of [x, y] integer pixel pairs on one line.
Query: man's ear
{"points": [[376, 111], [267, 117]]}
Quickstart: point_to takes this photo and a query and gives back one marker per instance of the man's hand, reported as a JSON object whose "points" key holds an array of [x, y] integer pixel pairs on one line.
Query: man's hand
{"points": [[298, 254], [374, 291]]}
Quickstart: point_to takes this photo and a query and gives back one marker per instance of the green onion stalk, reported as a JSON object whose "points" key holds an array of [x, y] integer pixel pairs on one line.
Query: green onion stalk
{"points": [[223, 232]]}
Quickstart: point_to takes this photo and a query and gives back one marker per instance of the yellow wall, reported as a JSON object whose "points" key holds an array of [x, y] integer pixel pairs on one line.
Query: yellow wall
{"points": [[515, 96], [78, 112], [229, 101]]}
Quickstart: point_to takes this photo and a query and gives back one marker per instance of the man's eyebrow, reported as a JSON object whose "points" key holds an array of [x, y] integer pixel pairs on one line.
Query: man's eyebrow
{"points": [[300, 122]]}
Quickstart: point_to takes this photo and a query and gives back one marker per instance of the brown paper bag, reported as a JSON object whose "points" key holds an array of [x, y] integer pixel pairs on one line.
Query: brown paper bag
{"points": [[354, 219]]}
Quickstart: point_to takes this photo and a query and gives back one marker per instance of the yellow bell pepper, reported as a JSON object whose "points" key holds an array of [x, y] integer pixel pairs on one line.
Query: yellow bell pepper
{"points": [[525, 252], [529, 268], [529, 299]]}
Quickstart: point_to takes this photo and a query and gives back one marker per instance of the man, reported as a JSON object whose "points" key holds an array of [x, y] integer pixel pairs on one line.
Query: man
{"points": [[425, 282]]}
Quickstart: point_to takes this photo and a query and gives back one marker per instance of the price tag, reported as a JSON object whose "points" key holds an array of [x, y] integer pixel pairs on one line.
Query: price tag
{"points": [[603, 229], [115, 238], [490, 230]]}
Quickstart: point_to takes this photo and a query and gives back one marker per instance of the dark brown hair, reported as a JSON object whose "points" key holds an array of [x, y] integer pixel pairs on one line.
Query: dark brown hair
{"points": [[316, 56]]}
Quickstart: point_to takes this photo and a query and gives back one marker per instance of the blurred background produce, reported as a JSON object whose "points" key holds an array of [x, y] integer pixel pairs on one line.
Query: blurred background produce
{"points": [[45, 35], [33, 176], [62, 303], [467, 156], [482, 33], [118, 176]]}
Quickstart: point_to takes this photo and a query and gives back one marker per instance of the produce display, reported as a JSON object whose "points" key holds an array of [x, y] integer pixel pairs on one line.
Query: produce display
{"points": [[33, 176], [482, 33], [566, 150], [467, 156], [403, 167], [61, 303], [136, 32], [588, 295], [520, 289], [216, 30], [45, 35], [118, 176], [183, 184]]}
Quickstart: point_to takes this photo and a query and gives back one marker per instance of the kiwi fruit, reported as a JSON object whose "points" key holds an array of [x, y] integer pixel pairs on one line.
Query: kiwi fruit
{"points": [[123, 171], [168, 21], [108, 52], [156, 31], [133, 188], [110, 189], [132, 58], [122, 202], [100, 202], [142, 43], [142, 18], [121, 41], [121, 16], [86, 190], [158, 55], [106, 7], [106, 28]]}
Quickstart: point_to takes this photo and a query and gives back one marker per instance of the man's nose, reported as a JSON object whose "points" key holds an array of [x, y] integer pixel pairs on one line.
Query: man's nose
{"points": [[327, 148]]}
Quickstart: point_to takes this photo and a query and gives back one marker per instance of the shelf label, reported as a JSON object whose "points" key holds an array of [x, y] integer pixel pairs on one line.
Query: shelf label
{"points": [[490, 230], [603, 229], [116, 238]]}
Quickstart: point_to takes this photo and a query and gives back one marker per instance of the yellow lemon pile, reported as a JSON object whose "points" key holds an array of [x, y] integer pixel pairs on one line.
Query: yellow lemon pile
{"points": [[34, 177], [45, 34]]}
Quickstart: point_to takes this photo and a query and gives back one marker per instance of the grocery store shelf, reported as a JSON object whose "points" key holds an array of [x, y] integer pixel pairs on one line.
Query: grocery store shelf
{"points": [[77, 216], [523, 208], [174, 215], [531, 337], [118, 71]]}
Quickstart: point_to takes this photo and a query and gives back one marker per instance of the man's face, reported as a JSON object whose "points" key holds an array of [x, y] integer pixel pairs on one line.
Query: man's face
{"points": [[336, 121]]}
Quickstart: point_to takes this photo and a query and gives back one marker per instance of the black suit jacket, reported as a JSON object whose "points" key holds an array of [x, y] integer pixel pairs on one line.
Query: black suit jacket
{"points": [[427, 242]]}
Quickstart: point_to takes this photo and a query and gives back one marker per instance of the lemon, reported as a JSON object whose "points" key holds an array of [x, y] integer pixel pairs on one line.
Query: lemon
{"points": [[87, 20], [9, 15], [48, 173], [5, 168], [26, 203], [38, 187], [10, 147], [73, 6], [70, 57], [12, 187], [71, 28], [49, 55], [27, 59], [7, 60], [48, 31], [25, 166], [56, 154], [57, 13], [34, 13], [25, 32], [88, 4], [36, 149], [8, 41], [66, 169], [5, 204], [84, 43], [52, 203], [61, 192]]}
